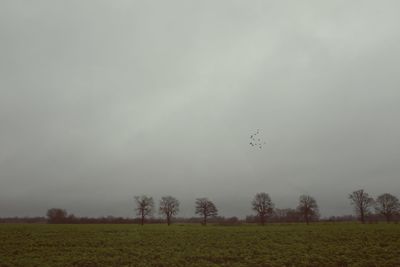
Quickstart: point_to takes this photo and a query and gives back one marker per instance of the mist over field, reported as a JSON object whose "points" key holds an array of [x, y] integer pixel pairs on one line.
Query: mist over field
{"points": [[104, 100]]}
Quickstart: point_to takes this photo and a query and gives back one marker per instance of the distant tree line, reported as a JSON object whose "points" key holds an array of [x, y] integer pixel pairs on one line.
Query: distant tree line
{"points": [[169, 207], [384, 207], [23, 220]]}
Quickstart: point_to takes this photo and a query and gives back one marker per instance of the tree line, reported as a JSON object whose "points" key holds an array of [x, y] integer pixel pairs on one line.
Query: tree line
{"points": [[385, 205]]}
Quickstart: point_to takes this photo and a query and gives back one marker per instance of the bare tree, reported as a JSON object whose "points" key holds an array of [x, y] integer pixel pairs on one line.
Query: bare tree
{"points": [[169, 206], [308, 208], [144, 207], [263, 205], [205, 208], [56, 215], [362, 202], [387, 205]]}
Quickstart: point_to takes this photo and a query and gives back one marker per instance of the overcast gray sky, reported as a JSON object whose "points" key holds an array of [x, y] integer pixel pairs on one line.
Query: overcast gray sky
{"points": [[104, 100]]}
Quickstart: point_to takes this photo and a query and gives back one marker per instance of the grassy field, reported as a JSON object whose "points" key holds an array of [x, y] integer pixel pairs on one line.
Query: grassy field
{"points": [[342, 244]]}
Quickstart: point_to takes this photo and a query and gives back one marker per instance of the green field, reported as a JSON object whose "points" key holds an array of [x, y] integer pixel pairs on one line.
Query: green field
{"points": [[341, 244]]}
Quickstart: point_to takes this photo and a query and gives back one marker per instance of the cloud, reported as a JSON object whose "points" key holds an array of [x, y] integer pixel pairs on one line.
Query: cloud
{"points": [[102, 101]]}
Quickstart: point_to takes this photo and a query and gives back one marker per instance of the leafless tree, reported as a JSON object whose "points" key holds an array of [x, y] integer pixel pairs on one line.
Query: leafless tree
{"points": [[362, 202], [205, 208], [308, 208], [144, 207], [387, 205], [263, 205], [169, 206], [56, 215]]}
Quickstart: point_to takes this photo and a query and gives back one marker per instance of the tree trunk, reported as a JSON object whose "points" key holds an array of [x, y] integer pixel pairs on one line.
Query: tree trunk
{"points": [[142, 221], [168, 220], [205, 220], [362, 216]]}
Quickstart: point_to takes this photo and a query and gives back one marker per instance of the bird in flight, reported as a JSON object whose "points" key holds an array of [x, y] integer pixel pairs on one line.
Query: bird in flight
{"points": [[255, 140]]}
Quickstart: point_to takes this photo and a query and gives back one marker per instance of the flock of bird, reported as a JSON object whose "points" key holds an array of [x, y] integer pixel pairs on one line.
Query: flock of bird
{"points": [[256, 141]]}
